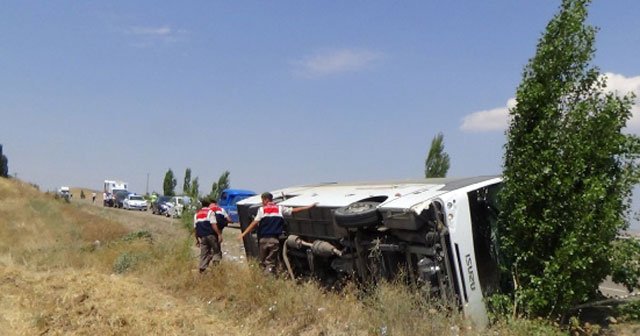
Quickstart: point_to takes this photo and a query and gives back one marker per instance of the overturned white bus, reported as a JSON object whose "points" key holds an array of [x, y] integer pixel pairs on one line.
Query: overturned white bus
{"points": [[439, 232]]}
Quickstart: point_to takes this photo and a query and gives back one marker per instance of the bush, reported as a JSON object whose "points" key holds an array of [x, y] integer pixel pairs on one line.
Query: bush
{"points": [[144, 234], [187, 219], [125, 261], [630, 311]]}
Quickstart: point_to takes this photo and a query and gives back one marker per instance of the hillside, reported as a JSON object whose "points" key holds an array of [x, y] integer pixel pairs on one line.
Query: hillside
{"points": [[78, 268], [53, 285]]}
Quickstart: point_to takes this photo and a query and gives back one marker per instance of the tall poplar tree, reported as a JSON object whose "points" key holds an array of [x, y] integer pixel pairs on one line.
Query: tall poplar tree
{"points": [[568, 173], [195, 188], [4, 164], [169, 183], [437, 162], [186, 185], [218, 187]]}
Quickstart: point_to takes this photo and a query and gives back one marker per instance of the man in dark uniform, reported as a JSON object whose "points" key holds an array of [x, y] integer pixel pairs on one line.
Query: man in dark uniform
{"points": [[208, 236], [222, 219], [270, 222]]}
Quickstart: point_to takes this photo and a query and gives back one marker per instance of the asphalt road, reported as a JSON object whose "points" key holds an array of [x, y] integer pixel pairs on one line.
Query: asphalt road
{"points": [[612, 290]]}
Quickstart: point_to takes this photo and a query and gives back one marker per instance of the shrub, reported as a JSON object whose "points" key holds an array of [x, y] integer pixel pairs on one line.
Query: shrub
{"points": [[138, 235], [125, 261]]}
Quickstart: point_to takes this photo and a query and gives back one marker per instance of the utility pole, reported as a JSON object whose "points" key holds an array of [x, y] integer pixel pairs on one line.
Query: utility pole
{"points": [[147, 184]]}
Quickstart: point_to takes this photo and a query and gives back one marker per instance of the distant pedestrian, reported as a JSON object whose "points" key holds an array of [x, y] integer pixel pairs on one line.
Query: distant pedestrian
{"points": [[270, 222], [93, 197], [208, 236]]}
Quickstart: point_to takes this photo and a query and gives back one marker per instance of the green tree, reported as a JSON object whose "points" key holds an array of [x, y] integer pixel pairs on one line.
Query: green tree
{"points": [[169, 184], [437, 162], [4, 164], [186, 185], [568, 173], [195, 189], [218, 187]]}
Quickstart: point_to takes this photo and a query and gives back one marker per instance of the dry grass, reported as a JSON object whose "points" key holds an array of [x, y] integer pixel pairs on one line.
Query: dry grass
{"points": [[275, 306], [45, 232], [73, 302]]}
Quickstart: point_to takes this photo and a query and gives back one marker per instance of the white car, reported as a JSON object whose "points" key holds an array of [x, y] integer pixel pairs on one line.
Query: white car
{"points": [[134, 202], [177, 204]]}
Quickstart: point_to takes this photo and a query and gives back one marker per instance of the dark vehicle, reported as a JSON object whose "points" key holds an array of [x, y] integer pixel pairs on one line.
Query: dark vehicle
{"points": [[230, 197], [440, 233], [118, 198], [107, 200], [110, 198], [160, 205]]}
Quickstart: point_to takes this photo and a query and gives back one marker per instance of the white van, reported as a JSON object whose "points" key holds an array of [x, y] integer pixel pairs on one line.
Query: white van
{"points": [[440, 232]]}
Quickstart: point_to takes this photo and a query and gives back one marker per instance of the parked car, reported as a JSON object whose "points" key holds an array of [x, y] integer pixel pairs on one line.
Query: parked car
{"points": [[118, 198], [160, 205], [135, 202], [440, 234], [230, 197], [177, 204]]}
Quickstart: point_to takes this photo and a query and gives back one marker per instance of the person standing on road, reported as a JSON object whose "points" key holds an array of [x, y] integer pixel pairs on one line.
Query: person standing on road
{"points": [[270, 222], [208, 237]]}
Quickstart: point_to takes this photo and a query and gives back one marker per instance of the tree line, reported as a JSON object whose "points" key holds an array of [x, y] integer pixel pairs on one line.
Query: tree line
{"points": [[191, 188]]}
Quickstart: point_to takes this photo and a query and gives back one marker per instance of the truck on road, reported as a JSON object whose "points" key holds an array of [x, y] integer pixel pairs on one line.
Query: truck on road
{"points": [[111, 187], [230, 197]]}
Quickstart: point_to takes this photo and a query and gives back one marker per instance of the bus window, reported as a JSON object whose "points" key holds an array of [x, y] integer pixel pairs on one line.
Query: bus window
{"points": [[484, 217]]}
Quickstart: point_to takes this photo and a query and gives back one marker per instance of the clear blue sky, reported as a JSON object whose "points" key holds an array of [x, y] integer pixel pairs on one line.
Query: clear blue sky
{"points": [[279, 93]]}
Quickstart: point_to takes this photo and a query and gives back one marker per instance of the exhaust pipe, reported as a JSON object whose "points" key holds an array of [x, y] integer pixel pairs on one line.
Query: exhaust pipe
{"points": [[318, 247]]}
